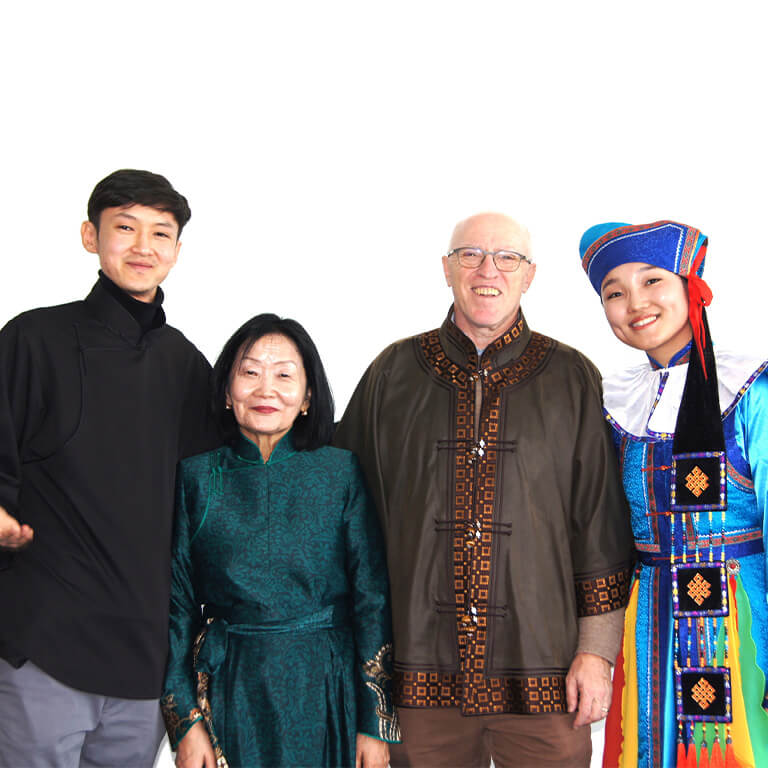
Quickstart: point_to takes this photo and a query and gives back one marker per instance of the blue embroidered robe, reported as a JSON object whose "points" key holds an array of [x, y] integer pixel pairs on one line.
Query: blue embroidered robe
{"points": [[642, 405]]}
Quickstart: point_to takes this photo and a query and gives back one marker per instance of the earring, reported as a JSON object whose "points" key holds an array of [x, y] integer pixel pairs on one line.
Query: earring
{"points": [[304, 410], [228, 406]]}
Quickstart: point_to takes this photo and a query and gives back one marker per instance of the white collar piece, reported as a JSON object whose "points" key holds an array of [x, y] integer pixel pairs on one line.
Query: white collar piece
{"points": [[644, 402]]}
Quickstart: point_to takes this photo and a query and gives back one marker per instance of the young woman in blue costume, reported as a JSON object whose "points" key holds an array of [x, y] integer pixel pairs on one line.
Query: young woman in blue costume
{"points": [[691, 433], [289, 661]]}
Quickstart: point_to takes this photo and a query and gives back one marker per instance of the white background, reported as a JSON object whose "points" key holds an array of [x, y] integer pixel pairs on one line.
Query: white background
{"points": [[327, 148]]}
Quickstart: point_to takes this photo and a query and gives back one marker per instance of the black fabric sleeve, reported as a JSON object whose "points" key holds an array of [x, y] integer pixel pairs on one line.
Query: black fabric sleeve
{"points": [[21, 398], [199, 431]]}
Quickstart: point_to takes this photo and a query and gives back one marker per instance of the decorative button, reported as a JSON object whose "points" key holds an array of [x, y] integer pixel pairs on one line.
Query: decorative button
{"points": [[474, 533], [477, 450]]}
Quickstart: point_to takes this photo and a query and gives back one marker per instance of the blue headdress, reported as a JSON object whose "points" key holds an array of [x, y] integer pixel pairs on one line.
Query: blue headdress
{"points": [[670, 245], [666, 244]]}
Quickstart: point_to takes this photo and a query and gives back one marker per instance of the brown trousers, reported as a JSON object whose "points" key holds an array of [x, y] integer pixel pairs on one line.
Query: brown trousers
{"points": [[446, 738]]}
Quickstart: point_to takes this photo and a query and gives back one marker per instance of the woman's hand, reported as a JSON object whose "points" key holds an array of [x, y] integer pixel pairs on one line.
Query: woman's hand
{"points": [[371, 753], [195, 750]]}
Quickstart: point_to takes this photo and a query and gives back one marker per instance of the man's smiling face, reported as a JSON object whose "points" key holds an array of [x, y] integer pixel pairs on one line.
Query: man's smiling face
{"points": [[486, 300], [136, 245]]}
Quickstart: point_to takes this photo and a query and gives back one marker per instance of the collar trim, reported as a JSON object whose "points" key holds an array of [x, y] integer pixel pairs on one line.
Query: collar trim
{"points": [[248, 451], [643, 403], [507, 347]]}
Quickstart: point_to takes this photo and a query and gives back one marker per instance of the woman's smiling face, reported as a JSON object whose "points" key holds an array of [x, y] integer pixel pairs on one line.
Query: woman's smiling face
{"points": [[647, 308], [268, 388]]}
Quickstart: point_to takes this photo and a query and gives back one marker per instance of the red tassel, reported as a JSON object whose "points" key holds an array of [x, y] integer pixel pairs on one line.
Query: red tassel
{"points": [[716, 761], [699, 296], [730, 758], [704, 757], [690, 758], [613, 735], [682, 760], [692, 755]]}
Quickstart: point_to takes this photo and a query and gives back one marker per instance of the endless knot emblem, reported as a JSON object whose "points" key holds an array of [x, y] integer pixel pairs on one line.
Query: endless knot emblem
{"points": [[696, 482], [699, 589], [703, 693]]}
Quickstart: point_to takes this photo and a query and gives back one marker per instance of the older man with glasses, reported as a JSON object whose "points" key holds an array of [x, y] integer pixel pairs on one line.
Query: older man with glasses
{"points": [[508, 542]]}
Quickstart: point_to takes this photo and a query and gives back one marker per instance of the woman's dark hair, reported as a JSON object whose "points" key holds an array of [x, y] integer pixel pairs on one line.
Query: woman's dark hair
{"points": [[131, 187], [310, 431]]}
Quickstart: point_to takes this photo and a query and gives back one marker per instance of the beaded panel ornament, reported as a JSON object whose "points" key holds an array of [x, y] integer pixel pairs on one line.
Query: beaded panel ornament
{"points": [[699, 589], [698, 481], [704, 694]]}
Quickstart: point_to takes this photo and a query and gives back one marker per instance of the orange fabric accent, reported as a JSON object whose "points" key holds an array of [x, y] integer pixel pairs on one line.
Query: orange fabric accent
{"points": [[716, 761], [703, 757], [730, 758]]}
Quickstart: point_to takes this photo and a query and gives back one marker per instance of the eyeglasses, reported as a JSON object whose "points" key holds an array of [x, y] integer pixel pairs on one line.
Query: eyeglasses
{"points": [[505, 261]]}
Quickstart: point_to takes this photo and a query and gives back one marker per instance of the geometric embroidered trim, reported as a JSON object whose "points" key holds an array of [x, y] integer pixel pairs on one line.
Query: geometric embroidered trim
{"points": [[474, 501], [528, 695], [699, 589], [696, 481], [703, 693], [507, 338], [738, 478], [602, 594]]}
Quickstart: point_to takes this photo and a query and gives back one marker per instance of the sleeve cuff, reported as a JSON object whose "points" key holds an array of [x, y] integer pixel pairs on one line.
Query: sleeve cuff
{"points": [[175, 725], [601, 635], [398, 740], [602, 594]]}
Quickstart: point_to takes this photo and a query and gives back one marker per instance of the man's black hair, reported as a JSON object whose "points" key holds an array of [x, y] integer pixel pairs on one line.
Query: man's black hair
{"points": [[131, 187]]}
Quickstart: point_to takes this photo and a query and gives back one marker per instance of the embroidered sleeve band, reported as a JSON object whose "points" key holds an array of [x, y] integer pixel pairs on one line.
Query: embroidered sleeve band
{"points": [[602, 594]]}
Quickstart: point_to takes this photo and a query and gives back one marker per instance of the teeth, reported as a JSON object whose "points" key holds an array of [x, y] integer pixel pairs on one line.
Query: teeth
{"points": [[486, 291], [642, 323]]}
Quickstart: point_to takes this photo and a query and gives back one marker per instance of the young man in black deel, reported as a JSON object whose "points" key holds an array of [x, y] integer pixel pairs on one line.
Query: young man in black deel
{"points": [[99, 399]]}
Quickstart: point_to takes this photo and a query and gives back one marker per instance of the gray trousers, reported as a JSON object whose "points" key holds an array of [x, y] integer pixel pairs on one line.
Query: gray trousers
{"points": [[45, 724]]}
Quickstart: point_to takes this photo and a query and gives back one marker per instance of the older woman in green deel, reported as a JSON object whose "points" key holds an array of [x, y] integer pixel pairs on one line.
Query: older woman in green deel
{"points": [[289, 662]]}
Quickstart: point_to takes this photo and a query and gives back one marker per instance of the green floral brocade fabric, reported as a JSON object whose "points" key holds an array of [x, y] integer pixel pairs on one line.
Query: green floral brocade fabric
{"points": [[290, 656]]}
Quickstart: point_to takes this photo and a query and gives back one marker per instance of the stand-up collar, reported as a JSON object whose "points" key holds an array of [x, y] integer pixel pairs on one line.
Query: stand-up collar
{"points": [[683, 356], [248, 450], [148, 314], [501, 351], [115, 315]]}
